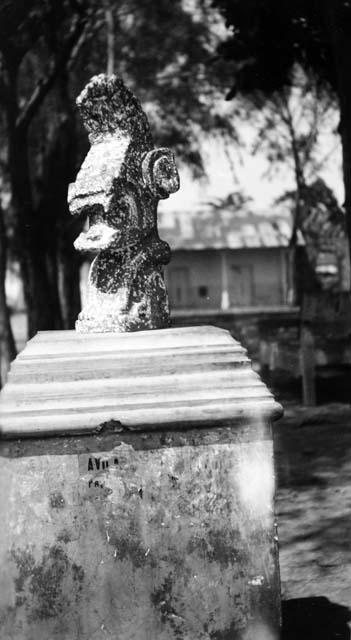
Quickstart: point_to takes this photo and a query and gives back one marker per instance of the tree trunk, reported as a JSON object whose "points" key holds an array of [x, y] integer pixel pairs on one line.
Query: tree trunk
{"points": [[300, 182], [61, 167], [345, 131], [40, 296], [339, 35], [7, 343], [69, 260], [30, 241], [69, 286], [110, 38]]}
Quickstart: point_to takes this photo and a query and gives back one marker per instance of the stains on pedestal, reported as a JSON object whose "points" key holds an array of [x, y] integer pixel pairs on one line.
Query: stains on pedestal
{"points": [[57, 500], [45, 587]]}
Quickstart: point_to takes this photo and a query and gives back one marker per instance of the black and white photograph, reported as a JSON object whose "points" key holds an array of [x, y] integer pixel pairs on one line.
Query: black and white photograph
{"points": [[175, 319]]}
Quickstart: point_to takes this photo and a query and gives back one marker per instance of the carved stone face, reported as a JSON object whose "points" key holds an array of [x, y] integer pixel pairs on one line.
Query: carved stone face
{"points": [[122, 177], [327, 270], [118, 189], [93, 191]]}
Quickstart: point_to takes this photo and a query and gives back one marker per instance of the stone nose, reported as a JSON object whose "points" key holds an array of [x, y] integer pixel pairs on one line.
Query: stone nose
{"points": [[87, 201]]}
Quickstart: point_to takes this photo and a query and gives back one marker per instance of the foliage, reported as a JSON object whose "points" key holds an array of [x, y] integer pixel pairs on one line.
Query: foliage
{"points": [[270, 37], [48, 50], [236, 201], [164, 53], [291, 124]]}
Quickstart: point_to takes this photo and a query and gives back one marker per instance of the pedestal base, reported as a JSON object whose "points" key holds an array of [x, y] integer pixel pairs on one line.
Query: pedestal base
{"points": [[139, 537], [137, 490]]}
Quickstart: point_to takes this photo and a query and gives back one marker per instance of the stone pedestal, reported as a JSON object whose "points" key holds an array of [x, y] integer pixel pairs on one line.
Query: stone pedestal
{"points": [[137, 490]]}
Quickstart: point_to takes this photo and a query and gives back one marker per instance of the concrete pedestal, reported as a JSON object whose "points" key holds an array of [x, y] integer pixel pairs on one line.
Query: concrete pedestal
{"points": [[128, 528]]}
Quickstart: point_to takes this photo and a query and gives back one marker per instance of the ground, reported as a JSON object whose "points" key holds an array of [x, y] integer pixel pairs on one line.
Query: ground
{"points": [[313, 507]]}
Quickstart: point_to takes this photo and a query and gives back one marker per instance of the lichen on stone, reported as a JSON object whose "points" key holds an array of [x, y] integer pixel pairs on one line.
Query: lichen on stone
{"points": [[118, 188]]}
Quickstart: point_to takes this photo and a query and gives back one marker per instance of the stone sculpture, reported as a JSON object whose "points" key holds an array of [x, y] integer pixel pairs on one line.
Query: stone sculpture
{"points": [[323, 227], [118, 187]]}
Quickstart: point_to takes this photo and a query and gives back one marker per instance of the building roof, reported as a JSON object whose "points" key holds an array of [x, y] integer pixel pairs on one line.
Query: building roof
{"points": [[223, 228]]}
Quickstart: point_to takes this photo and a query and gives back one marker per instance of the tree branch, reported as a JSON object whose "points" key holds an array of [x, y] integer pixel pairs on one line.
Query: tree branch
{"points": [[3, 91], [3, 84], [77, 46], [47, 82]]}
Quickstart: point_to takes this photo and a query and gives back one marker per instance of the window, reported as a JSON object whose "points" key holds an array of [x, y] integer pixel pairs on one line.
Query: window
{"points": [[203, 291]]}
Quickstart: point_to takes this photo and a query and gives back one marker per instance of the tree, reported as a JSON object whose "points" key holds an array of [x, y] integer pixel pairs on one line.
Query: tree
{"points": [[270, 36], [7, 344], [290, 126], [48, 50], [164, 52], [42, 25]]}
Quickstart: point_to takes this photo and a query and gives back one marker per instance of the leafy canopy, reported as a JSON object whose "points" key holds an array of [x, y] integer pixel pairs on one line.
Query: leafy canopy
{"points": [[270, 36]]}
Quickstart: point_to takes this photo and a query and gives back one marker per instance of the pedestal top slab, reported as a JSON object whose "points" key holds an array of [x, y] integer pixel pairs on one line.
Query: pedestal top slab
{"points": [[69, 383]]}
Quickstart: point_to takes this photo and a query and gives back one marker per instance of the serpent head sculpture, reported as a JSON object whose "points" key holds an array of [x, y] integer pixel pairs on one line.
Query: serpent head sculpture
{"points": [[118, 187]]}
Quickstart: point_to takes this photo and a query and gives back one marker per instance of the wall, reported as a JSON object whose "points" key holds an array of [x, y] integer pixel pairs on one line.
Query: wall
{"points": [[271, 336], [203, 269], [272, 339], [255, 277], [173, 538]]}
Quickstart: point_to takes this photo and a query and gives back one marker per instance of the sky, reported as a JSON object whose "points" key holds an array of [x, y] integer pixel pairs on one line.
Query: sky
{"points": [[246, 172]]}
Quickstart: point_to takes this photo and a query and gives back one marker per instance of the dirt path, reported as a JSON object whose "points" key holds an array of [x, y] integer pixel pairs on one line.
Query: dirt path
{"points": [[313, 506]]}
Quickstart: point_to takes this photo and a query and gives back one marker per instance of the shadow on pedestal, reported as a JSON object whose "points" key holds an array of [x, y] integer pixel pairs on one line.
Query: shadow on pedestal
{"points": [[315, 619]]}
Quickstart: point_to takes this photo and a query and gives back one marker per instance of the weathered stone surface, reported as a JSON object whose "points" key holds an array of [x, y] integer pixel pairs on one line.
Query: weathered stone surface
{"points": [[64, 382], [150, 513], [143, 536], [118, 187]]}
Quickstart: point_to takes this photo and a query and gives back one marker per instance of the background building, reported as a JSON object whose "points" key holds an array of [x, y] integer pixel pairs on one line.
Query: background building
{"points": [[223, 259]]}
